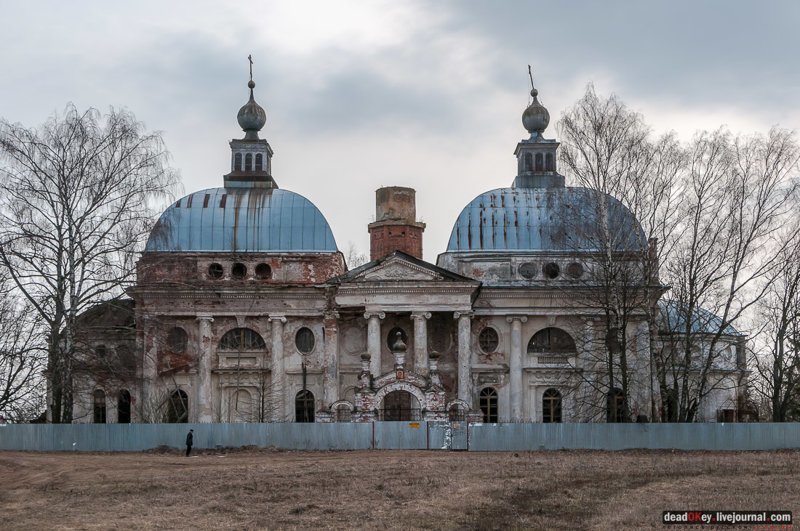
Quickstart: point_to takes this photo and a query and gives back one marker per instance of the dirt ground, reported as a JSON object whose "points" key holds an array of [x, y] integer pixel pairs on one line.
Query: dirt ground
{"points": [[264, 489]]}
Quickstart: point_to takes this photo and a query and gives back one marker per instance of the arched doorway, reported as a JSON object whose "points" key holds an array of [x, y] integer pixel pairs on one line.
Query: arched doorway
{"points": [[124, 407], [178, 407], [304, 406], [400, 406]]}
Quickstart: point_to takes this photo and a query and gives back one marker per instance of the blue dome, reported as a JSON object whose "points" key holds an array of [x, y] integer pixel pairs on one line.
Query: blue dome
{"points": [[543, 219], [242, 220]]}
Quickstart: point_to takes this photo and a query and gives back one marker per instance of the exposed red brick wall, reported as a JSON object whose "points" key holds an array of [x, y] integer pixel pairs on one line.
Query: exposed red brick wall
{"points": [[385, 239]]}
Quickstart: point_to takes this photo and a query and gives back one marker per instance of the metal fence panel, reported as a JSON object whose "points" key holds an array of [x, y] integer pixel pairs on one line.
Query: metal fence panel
{"points": [[400, 435]]}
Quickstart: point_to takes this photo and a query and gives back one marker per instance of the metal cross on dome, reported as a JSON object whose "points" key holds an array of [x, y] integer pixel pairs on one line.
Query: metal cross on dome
{"points": [[530, 74], [250, 58]]}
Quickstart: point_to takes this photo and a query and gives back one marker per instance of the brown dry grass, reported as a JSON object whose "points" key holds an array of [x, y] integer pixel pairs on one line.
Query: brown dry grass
{"points": [[386, 489]]}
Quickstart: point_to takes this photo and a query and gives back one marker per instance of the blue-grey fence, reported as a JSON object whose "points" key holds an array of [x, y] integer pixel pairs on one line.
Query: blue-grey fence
{"points": [[401, 435]]}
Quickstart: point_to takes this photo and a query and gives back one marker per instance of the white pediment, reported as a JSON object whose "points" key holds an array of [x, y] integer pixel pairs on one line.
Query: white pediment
{"points": [[398, 270]]}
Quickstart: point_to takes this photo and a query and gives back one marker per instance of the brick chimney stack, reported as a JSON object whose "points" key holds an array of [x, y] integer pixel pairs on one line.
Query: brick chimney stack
{"points": [[395, 227]]}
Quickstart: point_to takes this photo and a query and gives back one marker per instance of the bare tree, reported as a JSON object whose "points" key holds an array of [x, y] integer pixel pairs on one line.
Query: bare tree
{"points": [[609, 150], [22, 359], [77, 199], [739, 193], [778, 363]]}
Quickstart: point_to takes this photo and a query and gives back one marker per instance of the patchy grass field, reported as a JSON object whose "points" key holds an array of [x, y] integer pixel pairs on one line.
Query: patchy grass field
{"points": [[255, 489]]}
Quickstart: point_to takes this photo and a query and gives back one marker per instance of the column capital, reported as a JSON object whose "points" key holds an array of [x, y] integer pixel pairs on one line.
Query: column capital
{"points": [[458, 315], [379, 315], [520, 318], [204, 317], [277, 318], [421, 315]]}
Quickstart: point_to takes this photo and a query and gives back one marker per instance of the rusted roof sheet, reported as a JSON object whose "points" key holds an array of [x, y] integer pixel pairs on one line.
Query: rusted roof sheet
{"points": [[545, 219], [242, 220]]}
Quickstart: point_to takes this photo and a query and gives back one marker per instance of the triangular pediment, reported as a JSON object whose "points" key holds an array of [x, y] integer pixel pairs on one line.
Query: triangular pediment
{"points": [[400, 267]]}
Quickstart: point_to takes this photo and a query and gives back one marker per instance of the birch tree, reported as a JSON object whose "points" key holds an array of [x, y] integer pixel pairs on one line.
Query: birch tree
{"points": [[77, 199]]}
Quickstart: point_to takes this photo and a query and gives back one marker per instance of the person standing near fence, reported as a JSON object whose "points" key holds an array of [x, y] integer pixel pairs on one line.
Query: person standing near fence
{"points": [[189, 442]]}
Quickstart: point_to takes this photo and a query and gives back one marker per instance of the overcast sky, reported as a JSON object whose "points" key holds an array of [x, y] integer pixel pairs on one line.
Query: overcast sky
{"points": [[364, 94]]}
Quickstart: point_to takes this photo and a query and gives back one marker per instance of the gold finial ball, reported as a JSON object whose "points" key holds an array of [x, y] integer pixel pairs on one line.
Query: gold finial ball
{"points": [[251, 84]]}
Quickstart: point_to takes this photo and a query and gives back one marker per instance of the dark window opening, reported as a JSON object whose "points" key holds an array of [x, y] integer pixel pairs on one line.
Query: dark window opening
{"points": [[248, 162], [177, 340], [237, 162], [304, 406], [616, 406], [527, 270], [189, 201], [457, 413], [539, 162], [124, 407], [205, 200], [551, 270], [391, 338], [550, 163], [100, 351], [238, 271], [726, 415], [551, 340], [259, 162], [551, 406], [223, 200], [575, 270], [242, 339], [304, 340], [344, 413], [215, 271], [177, 408], [99, 406], [488, 404], [263, 271], [488, 340], [528, 162]]}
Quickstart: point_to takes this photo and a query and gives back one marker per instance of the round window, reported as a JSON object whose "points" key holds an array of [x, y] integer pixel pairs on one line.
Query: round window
{"points": [[304, 340], [575, 270], [215, 271], [239, 270], [263, 271], [551, 270], [177, 340], [527, 270], [488, 340]]}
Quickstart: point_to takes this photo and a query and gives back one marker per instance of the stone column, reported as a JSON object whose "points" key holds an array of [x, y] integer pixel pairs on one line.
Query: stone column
{"points": [[278, 372], [464, 356], [515, 366], [330, 376], [205, 351], [374, 341], [148, 409], [421, 342]]}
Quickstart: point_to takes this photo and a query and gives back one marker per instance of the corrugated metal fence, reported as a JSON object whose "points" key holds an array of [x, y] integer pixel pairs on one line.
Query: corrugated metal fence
{"points": [[401, 435]]}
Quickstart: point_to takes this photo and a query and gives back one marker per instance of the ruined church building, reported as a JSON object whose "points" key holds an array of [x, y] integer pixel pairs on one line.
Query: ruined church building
{"points": [[245, 311]]}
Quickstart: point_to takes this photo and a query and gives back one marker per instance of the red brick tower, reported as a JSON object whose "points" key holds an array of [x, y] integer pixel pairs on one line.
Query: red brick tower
{"points": [[395, 227]]}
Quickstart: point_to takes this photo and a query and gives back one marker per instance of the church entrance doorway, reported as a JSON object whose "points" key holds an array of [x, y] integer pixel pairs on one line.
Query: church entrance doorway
{"points": [[400, 406]]}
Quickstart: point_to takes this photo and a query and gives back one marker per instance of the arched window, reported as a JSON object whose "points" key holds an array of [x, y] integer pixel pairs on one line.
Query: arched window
{"points": [[237, 162], [242, 339], [177, 408], [457, 413], [99, 406], [248, 162], [616, 406], [241, 406], [488, 404], [551, 406], [551, 341], [304, 406], [344, 413], [539, 162], [549, 162], [259, 162], [528, 162], [124, 407]]}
